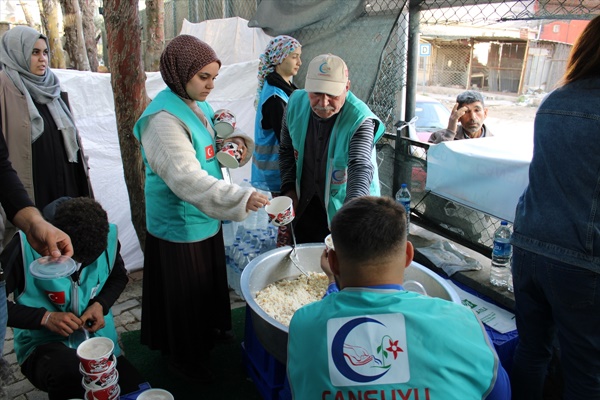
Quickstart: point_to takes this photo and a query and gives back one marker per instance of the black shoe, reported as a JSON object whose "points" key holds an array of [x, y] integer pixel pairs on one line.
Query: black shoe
{"points": [[222, 336], [195, 374]]}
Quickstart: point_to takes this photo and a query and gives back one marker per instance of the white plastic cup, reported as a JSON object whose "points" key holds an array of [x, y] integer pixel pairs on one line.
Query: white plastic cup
{"points": [[280, 211], [155, 394], [224, 123], [329, 242], [230, 155], [110, 392], [95, 354], [100, 379]]}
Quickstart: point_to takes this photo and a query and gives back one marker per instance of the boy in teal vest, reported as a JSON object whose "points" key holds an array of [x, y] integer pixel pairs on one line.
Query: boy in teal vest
{"points": [[46, 312], [373, 339]]}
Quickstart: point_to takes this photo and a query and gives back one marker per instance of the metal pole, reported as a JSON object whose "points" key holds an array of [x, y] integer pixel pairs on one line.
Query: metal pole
{"points": [[402, 175], [470, 67], [412, 58]]}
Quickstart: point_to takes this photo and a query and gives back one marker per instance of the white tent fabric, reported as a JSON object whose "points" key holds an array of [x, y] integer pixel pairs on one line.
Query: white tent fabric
{"points": [[231, 38], [486, 174], [91, 98]]}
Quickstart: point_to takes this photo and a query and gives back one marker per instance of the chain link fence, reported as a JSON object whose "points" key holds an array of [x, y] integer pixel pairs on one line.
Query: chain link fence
{"points": [[487, 45], [474, 43]]}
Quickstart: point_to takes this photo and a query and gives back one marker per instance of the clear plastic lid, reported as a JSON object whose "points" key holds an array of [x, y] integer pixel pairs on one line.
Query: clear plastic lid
{"points": [[52, 268]]}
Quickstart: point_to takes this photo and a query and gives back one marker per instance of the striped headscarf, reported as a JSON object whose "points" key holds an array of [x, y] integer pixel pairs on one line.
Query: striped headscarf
{"points": [[278, 49], [183, 57]]}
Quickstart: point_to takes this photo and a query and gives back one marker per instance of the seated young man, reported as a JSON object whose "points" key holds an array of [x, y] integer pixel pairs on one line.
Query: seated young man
{"points": [[45, 312], [373, 338]]}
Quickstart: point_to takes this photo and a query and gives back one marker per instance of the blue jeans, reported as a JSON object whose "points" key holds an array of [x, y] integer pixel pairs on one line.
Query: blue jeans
{"points": [[555, 300], [3, 315]]}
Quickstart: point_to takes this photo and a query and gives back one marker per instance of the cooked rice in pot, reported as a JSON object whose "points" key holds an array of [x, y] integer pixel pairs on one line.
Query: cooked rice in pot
{"points": [[281, 299]]}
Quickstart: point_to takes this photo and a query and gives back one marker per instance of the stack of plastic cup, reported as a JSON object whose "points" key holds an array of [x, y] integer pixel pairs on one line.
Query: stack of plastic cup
{"points": [[98, 366]]}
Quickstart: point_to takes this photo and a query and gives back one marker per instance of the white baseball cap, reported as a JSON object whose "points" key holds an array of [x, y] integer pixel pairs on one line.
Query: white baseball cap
{"points": [[326, 74]]}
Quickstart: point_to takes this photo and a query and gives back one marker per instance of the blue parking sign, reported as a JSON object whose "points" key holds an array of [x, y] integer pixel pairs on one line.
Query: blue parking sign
{"points": [[425, 49]]}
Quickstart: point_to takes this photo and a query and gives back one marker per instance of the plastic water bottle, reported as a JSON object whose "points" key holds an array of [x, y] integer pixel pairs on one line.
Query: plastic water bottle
{"points": [[251, 223], [262, 218], [240, 260], [228, 233], [403, 197], [263, 245], [228, 239], [247, 236], [501, 254], [255, 241], [246, 258]]}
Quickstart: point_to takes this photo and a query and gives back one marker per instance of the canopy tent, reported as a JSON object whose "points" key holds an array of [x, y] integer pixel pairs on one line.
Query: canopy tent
{"points": [[91, 98]]}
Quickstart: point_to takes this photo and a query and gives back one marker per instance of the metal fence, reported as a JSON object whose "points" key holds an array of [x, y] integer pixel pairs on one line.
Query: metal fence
{"points": [[488, 45], [460, 34]]}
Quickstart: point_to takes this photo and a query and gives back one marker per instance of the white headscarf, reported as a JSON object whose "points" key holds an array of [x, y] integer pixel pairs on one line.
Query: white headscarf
{"points": [[16, 48]]}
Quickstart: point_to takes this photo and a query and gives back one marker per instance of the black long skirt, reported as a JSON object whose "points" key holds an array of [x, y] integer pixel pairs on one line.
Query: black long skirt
{"points": [[185, 297]]}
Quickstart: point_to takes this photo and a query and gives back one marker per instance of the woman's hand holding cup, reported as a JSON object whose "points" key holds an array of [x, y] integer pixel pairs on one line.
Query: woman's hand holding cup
{"points": [[257, 201]]}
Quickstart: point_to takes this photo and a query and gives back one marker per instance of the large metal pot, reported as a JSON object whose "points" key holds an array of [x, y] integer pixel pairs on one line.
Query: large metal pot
{"points": [[275, 265]]}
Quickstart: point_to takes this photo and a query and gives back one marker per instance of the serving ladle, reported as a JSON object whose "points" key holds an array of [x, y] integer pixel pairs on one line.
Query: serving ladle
{"points": [[294, 255]]}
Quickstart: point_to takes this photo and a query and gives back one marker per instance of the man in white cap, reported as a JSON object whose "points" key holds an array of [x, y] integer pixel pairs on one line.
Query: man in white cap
{"points": [[327, 150]]}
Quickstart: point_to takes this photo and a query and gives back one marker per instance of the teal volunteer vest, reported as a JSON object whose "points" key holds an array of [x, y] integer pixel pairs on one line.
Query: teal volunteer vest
{"points": [[388, 344], [265, 161], [64, 295], [167, 216], [353, 114]]}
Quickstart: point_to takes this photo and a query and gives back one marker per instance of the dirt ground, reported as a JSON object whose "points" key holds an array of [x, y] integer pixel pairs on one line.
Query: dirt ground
{"points": [[511, 119]]}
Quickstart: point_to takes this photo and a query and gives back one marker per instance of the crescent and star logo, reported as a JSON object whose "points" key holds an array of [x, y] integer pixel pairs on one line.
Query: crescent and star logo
{"points": [[339, 176], [367, 349], [324, 68], [56, 297], [209, 152], [346, 355]]}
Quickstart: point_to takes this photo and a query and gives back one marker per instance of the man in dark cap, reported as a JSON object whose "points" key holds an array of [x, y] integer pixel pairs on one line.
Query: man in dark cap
{"points": [[470, 111]]}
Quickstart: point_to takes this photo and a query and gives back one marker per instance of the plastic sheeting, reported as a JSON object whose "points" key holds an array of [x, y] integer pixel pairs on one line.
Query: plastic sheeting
{"points": [[91, 98], [488, 174], [231, 38], [326, 26]]}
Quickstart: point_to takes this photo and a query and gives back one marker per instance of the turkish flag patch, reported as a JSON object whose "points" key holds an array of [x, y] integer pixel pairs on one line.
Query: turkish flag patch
{"points": [[209, 152], [56, 297]]}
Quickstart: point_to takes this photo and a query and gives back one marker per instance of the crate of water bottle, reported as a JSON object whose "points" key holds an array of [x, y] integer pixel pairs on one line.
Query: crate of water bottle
{"points": [[247, 245], [246, 240]]}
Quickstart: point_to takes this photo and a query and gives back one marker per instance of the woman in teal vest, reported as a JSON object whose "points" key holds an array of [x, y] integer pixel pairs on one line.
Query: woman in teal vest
{"points": [[185, 301], [46, 312], [277, 67]]}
